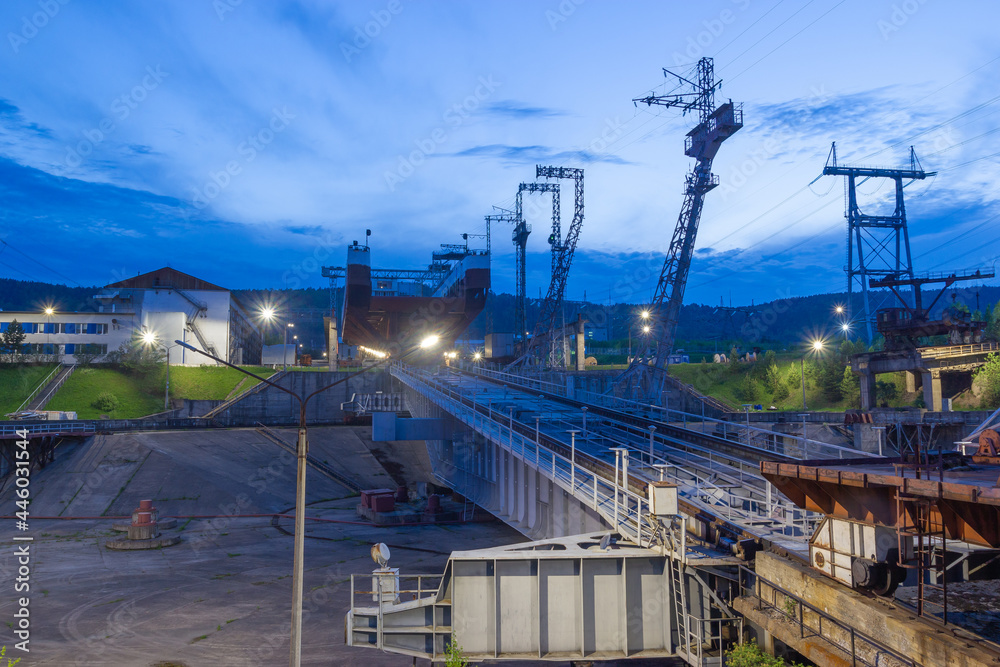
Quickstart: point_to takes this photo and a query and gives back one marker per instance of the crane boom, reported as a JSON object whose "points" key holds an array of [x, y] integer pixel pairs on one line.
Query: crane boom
{"points": [[644, 376]]}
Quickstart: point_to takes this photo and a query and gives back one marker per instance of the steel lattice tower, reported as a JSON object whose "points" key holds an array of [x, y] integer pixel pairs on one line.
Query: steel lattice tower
{"points": [[878, 246], [562, 259], [644, 377]]}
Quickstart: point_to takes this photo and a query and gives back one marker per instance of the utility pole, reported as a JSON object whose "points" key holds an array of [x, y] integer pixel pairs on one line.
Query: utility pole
{"points": [[878, 246]]}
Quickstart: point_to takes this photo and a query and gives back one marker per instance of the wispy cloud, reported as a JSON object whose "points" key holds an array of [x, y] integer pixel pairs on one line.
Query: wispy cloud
{"points": [[13, 121], [304, 230], [533, 154], [512, 109]]}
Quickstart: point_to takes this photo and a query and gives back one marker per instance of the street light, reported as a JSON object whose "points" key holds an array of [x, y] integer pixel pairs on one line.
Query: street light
{"points": [[817, 347], [645, 329], [49, 312], [268, 314], [302, 451], [149, 339]]}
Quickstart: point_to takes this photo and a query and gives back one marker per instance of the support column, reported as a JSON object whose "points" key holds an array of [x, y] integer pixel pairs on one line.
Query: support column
{"points": [[867, 389], [932, 390], [580, 343], [332, 341], [912, 381]]}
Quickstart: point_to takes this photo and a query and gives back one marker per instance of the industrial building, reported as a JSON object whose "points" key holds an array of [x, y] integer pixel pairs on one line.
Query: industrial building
{"points": [[170, 304]]}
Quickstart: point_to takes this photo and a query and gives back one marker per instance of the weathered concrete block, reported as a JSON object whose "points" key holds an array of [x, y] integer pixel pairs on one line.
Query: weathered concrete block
{"points": [[896, 628]]}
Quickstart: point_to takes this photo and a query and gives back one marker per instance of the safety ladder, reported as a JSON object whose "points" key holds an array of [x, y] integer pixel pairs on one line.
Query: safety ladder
{"points": [[688, 642]]}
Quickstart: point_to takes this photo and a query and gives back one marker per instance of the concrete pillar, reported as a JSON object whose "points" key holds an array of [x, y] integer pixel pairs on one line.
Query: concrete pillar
{"points": [[332, 343], [912, 381], [865, 439], [580, 341], [867, 390], [932, 390]]}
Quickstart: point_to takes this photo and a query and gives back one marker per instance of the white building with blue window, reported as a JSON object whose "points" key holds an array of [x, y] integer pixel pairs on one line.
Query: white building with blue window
{"points": [[168, 303], [60, 336]]}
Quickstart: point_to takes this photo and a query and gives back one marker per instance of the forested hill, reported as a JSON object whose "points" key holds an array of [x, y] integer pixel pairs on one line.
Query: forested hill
{"points": [[784, 320]]}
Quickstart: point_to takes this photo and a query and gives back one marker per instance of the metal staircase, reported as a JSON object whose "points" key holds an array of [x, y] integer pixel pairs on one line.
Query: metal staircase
{"points": [[260, 386]]}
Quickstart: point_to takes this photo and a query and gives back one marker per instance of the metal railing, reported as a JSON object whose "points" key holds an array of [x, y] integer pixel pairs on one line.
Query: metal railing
{"points": [[618, 504], [225, 405], [44, 383], [47, 428], [427, 586], [957, 350], [862, 649], [751, 436], [748, 502]]}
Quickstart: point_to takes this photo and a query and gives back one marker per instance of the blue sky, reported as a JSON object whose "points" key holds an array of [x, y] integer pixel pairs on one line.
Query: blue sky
{"points": [[248, 142]]}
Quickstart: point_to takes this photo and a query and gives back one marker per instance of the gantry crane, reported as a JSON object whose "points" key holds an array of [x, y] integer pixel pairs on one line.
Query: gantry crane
{"points": [[545, 341], [644, 376], [520, 238]]}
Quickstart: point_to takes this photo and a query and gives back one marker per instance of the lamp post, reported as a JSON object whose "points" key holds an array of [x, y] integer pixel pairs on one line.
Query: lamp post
{"points": [[269, 315], [746, 408], [645, 330], [149, 339], [572, 460], [49, 312], [302, 451], [805, 440], [817, 346]]}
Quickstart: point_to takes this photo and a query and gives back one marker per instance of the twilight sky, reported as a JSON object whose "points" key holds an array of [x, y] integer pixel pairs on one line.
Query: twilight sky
{"points": [[247, 142]]}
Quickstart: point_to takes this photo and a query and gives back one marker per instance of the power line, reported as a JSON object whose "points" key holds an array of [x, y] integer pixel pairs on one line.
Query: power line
{"points": [[730, 42], [769, 32], [47, 268], [956, 166], [807, 26]]}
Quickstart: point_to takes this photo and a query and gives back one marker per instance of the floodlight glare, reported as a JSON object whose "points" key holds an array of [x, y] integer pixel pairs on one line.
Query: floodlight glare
{"points": [[817, 345], [429, 341], [148, 337]]}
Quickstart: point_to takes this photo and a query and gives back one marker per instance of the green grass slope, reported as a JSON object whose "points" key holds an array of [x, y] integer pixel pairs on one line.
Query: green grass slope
{"points": [[17, 383], [139, 396]]}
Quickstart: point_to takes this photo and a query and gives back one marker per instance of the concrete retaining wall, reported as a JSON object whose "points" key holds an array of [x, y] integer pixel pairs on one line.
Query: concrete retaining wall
{"points": [[271, 406]]}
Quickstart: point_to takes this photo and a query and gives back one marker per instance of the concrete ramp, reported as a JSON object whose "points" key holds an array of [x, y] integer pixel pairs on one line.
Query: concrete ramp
{"points": [[191, 472]]}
